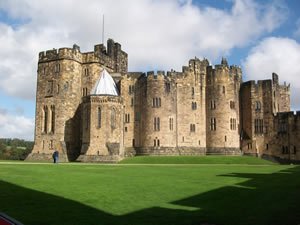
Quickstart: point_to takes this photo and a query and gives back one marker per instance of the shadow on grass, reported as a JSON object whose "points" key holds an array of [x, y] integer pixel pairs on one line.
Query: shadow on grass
{"points": [[263, 199]]}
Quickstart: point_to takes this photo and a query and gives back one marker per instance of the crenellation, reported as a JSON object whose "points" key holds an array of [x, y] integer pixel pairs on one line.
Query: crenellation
{"points": [[201, 110]]}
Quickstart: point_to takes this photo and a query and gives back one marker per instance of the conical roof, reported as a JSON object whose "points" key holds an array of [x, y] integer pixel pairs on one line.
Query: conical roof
{"points": [[105, 85]]}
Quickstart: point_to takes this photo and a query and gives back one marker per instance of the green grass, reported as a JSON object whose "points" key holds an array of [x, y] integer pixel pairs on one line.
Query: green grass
{"points": [[139, 195], [196, 160]]}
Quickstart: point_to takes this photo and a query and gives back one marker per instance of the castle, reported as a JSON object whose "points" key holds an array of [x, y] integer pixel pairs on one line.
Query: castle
{"points": [[200, 111]]}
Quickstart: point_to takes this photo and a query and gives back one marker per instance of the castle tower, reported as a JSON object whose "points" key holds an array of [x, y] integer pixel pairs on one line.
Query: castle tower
{"points": [[260, 103], [191, 108], [222, 109], [158, 119], [102, 122], [64, 77]]}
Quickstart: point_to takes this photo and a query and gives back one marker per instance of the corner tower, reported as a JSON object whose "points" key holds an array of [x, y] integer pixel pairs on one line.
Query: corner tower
{"points": [[64, 77]]}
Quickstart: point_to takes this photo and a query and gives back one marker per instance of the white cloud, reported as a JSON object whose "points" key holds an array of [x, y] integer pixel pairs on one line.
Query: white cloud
{"points": [[16, 126], [279, 55], [156, 34]]}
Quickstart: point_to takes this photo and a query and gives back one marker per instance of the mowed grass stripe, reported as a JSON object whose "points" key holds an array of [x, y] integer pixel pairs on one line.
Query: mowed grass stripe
{"points": [[92, 194]]}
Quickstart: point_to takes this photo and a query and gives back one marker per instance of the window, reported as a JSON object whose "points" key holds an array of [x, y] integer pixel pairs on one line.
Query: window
{"points": [[192, 127], [193, 91], [258, 126], [194, 105], [84, 91], [213, 125], [131, 102], [212, 104], [99, 117], [133, 142], [225, 138], [168, 87], [57, 68], [131, 89], [156, 142], [232, 104], [86, 72], [66, 86], [50, 87], [52, 118], [156, 102], [87, 118], [257, 106], [295, 150], [58, 89], [125, 129], [45, 119], [267, 146], [223, 89], [51, 144], [127, 118], [232, 124], [285, 150], [113, 118], [171, 123], [156, 124]]}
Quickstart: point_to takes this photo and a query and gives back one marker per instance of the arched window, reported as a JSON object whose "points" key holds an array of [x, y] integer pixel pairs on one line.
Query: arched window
{"points": [[99, 117], [57, 68], [113, 118], [257, 106], [66, 86], [45, 119], [86, 72], [52, 118]]}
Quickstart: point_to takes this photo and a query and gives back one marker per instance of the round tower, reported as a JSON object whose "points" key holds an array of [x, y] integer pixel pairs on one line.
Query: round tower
{"points": [[158, 116], [222, 99]]}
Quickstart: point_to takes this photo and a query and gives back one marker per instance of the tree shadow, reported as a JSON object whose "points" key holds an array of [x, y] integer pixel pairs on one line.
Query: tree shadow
{"points": [[263, 199]]}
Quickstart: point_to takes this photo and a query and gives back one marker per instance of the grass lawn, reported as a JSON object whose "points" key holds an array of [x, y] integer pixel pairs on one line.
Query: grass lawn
{"points": [[141, 194], [196, 160]]}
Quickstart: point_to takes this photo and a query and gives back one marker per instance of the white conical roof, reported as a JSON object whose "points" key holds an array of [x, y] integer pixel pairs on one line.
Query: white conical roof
{"points": [[105, 85]]}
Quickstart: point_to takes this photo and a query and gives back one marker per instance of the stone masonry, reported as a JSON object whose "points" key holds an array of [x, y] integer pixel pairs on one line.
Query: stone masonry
{"points": [[201, 110]]}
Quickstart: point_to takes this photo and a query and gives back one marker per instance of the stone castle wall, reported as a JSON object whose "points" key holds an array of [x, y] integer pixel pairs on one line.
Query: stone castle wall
{"points": [[201, 110]]}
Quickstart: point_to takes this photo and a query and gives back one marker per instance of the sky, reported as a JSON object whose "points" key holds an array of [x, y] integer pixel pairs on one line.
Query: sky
{"points": [[260, 36]]}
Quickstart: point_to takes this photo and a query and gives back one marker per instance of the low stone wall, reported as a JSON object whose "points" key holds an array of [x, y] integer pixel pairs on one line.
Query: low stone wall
{"points": [[279, 160], [170, 151], [99, 158], [188, 151], [45, 157], [223, 151]]}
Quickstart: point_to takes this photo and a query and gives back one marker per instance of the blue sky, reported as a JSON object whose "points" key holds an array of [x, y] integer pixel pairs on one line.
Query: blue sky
{"points": [[260, 36]]}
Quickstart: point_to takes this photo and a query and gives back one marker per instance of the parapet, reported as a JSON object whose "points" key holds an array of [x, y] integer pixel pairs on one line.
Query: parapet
{"points": [[160, 75], [113, 58], [62, 53]]}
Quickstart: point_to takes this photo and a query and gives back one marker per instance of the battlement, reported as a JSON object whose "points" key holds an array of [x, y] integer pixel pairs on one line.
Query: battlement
{"points": [[61, 53], [113, 57], [160, 75]]}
